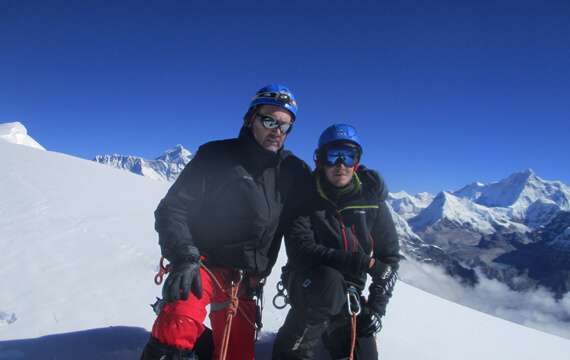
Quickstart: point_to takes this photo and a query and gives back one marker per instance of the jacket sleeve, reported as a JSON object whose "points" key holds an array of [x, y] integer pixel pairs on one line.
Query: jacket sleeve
{"points": [[173, 217], [386, 251], [301, 246]]}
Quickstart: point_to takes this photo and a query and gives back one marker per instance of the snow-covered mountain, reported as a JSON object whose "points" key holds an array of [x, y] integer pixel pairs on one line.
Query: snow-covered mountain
{"points": [[450, 220], [77, 256], [414, 247], [16, 133], [166, 167], [496, 228], [547, 259], [518, 193], [408, 206]]}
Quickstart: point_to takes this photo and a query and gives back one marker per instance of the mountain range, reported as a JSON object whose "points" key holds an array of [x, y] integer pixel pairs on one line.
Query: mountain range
{"points": [[507, 230], [166, 167]]}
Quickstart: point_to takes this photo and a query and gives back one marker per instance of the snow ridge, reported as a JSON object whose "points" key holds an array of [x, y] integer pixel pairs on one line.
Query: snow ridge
{"points": [[408, 206], [519, 192], [464, 213], [16, 133]]}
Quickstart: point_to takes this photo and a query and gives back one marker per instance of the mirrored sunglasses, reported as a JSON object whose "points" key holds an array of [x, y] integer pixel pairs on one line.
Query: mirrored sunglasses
{"points": [[270, 123]]}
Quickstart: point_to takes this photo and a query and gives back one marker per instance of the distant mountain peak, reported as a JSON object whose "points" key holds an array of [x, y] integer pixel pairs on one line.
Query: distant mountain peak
{"points": [[166, 167], [520, 192], [175, 154]]}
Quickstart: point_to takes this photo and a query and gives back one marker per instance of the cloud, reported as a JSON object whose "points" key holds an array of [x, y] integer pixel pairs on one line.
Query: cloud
{"points": [[536, 309]]}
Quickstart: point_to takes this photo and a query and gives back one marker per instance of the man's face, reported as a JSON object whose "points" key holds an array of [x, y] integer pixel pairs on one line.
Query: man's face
{"points": [[270, 139], [339, 175]]}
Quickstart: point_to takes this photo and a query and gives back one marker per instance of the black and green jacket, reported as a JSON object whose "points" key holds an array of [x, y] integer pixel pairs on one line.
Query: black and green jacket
{"points": [[329, 233]]}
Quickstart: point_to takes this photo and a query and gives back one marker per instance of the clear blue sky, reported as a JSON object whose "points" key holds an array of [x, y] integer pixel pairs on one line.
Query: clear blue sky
{"points": [[443, 92]]}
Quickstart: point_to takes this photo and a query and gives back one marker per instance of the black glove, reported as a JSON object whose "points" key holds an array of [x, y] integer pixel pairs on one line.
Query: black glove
{"points": [[183, 277], [384, 277], [381, 272], [368, 322]]}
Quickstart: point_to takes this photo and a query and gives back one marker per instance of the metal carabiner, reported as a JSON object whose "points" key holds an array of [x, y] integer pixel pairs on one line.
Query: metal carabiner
{"points": [[281, 292], [352, 295], [164, 269]]}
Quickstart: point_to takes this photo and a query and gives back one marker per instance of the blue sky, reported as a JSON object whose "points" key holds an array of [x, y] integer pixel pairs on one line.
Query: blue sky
{"points": [[443, 92]]}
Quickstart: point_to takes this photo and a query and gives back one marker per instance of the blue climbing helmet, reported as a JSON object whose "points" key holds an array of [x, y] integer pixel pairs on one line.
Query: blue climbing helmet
{"points": [[274, 94], [337, 134]]}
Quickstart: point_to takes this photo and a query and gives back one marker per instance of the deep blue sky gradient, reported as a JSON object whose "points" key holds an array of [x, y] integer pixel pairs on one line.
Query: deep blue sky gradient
{"points": [[443, 92]]}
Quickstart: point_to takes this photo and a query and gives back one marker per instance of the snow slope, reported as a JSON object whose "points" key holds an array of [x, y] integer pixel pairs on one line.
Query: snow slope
{"points": [[80, 252]]}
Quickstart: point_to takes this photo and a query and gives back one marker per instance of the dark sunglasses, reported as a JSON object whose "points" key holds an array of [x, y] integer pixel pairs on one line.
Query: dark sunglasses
{"points": [[283, 98], [341, 154], [270, 123]]}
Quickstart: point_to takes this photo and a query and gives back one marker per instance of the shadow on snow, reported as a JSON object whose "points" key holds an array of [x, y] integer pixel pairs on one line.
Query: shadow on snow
{"points": [[116, 343]]}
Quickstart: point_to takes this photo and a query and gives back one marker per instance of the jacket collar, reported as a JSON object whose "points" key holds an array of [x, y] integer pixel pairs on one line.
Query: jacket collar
{"points": [[257, 157]]}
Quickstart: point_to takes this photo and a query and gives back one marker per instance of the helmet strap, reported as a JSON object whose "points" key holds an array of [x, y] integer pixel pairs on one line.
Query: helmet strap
{"points": [[316, 159]]}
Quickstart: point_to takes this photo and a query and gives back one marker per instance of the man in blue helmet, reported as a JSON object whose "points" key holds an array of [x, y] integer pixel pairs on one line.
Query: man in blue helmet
{"points": [[220, 227], [345, 233]]}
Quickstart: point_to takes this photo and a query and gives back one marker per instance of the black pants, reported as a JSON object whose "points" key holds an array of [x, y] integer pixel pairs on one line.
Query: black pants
{"points": [[319, 312], [203, 350]]}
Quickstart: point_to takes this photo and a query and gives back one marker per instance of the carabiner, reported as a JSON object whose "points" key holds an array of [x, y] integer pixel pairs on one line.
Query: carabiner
{"points": [[161, 272], [352, 298]]}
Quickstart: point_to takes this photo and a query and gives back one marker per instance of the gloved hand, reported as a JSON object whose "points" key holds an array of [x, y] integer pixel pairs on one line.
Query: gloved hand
{"points": [[368, 322], [380, 272], [357, 261], [183, 277]]}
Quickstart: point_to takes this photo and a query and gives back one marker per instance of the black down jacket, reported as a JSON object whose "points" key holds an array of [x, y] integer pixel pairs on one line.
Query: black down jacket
{"points": [[233, 202], [328, 234]]}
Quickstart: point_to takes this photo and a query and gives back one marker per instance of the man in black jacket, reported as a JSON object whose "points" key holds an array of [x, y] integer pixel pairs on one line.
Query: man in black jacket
{"points": [[345, 232], [220, 227]]}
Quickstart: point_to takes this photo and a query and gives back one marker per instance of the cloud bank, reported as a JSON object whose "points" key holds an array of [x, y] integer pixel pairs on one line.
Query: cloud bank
{"points": [[535, 309]]}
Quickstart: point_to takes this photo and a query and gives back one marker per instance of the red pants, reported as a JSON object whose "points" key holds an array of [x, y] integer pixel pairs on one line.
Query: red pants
{"points": [[180, 323]]}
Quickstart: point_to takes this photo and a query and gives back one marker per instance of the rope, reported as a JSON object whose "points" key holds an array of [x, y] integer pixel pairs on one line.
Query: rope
{"points": [[352, 295], [352, 336], [241, 311], [231, 312]]}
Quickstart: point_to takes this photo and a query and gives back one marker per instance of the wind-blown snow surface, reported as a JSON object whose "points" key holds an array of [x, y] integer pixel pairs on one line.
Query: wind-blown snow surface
{"points": [[79, 252], [17, 133]]}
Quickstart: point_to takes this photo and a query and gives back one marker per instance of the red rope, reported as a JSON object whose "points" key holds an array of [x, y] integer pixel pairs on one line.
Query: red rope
{"points": [[231, 312], [352, 336]]}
